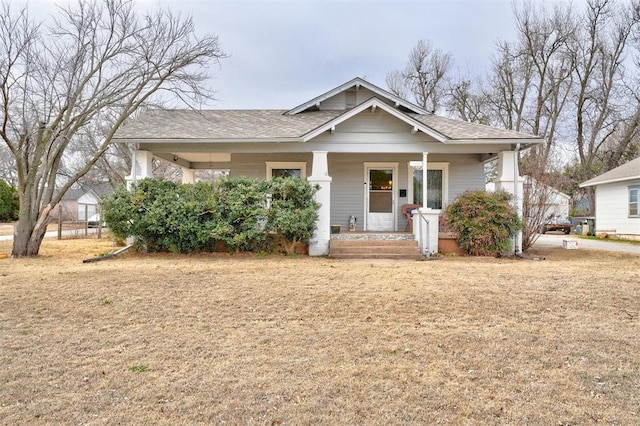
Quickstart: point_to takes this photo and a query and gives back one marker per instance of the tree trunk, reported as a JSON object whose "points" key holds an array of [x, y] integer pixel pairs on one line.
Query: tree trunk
{"points": [[591, 196], [29, 232]]}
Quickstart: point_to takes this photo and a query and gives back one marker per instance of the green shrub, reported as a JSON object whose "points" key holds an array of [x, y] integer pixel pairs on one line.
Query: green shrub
{"points": [[294, 212], [118, 212], [165, 216], [485, 222], [9, 203], [241, 205]]}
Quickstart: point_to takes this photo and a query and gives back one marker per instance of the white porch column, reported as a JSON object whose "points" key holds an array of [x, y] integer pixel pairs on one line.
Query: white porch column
{"points": [[425, 220], [141, 167], [188, 176], [509, 180], [319, 244], [424, 179]]}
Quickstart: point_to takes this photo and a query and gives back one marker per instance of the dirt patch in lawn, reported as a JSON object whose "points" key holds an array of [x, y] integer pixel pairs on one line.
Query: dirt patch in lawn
{"points": [[166, 339]]}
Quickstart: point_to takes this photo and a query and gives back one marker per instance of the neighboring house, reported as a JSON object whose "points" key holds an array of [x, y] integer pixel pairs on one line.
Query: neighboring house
{"points": [[618, 200], [552, 203], [79, 204], [368, 150]]}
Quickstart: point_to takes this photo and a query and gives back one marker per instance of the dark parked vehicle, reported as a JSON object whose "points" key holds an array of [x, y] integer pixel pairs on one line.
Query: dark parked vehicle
{"points": [[556, 224]]}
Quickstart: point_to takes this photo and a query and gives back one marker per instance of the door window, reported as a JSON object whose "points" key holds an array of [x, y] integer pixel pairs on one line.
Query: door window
{"points": [[381, 191]]}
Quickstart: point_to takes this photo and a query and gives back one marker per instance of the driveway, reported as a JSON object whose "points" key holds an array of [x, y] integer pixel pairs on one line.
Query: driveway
{"points": [[555, 240]]}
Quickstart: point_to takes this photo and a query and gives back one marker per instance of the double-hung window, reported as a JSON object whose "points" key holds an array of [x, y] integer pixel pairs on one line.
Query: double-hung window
{"points": [[437, 184], [286, 169], [634, 201]]}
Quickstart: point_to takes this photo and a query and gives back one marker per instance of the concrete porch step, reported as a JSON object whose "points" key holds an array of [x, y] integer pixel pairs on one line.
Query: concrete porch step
{"points": [[374, 249]]}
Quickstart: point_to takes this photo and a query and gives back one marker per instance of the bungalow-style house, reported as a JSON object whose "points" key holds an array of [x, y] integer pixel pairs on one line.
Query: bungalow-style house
{"points": [[618, 200], [368, 150]]}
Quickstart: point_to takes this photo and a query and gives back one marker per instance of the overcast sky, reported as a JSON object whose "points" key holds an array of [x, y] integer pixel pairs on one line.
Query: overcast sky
{"points": [[283, 53]]}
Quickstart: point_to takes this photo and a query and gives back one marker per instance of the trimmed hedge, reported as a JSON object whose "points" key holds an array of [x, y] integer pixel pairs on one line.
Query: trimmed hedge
{"points": [[238, 213]]}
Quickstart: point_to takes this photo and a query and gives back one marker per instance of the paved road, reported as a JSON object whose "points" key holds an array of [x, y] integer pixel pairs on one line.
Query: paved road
{"points": [[555, 240], [54, 234]]}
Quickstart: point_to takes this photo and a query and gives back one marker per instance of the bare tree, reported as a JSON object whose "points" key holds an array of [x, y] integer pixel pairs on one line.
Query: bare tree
{"points": [[531, 77], [7, 167], [538, 208], [543, 39], [423, 77], [509, 84], [606, 117], [469, 101], [109, 170], [92, 65]]}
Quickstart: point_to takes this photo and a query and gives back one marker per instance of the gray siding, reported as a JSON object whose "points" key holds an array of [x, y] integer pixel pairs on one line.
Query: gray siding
{"points": [[336, 102], [465, 172], [254, 165], [612, 209], [347, 173], [343, 99], [348, 186], [373, 122]]}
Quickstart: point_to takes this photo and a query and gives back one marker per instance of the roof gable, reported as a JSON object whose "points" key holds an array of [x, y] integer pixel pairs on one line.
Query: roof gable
{"points": [[356, 84], [374, 103]]}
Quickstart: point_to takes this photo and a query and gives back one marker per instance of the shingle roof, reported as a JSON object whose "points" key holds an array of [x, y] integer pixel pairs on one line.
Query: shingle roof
{"points": [[299, 123], [98, 190], [223, 124], [73, 194], [627, 171], [463, 130], [274, 124]]}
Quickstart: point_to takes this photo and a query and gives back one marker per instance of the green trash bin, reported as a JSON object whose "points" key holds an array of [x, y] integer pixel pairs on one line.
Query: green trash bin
{"points": [[591, 221]]}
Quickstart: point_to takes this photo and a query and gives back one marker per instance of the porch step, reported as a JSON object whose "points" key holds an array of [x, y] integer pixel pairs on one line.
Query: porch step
{"points": [[374, 249]]}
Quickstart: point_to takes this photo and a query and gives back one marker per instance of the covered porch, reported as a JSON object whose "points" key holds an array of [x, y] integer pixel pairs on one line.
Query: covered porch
{"points": [[359, 192]]}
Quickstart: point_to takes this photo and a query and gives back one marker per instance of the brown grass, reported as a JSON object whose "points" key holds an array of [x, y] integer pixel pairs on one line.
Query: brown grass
{"points": [[249, 340]]}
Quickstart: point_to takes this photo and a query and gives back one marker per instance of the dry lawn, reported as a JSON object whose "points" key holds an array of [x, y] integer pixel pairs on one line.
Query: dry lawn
{"points": [[165, 339]]}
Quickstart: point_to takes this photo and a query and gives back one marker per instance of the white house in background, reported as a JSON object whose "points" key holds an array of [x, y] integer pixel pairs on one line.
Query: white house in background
{"points": [[618, 200], [556, 204], [80, 204], [368, 150]]}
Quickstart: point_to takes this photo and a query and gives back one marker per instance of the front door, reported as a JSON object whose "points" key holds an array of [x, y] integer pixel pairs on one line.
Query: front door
{"points": [[379, 197]]}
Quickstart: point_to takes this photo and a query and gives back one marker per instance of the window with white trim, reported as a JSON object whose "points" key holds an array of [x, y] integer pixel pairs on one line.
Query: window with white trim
{"points": [[634, 202], [286, 169], [437, 184]]}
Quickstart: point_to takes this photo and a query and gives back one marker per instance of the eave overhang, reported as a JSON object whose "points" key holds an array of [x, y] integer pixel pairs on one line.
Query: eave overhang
{"points": [[524, 143], [604, 182], [209, 140]]}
